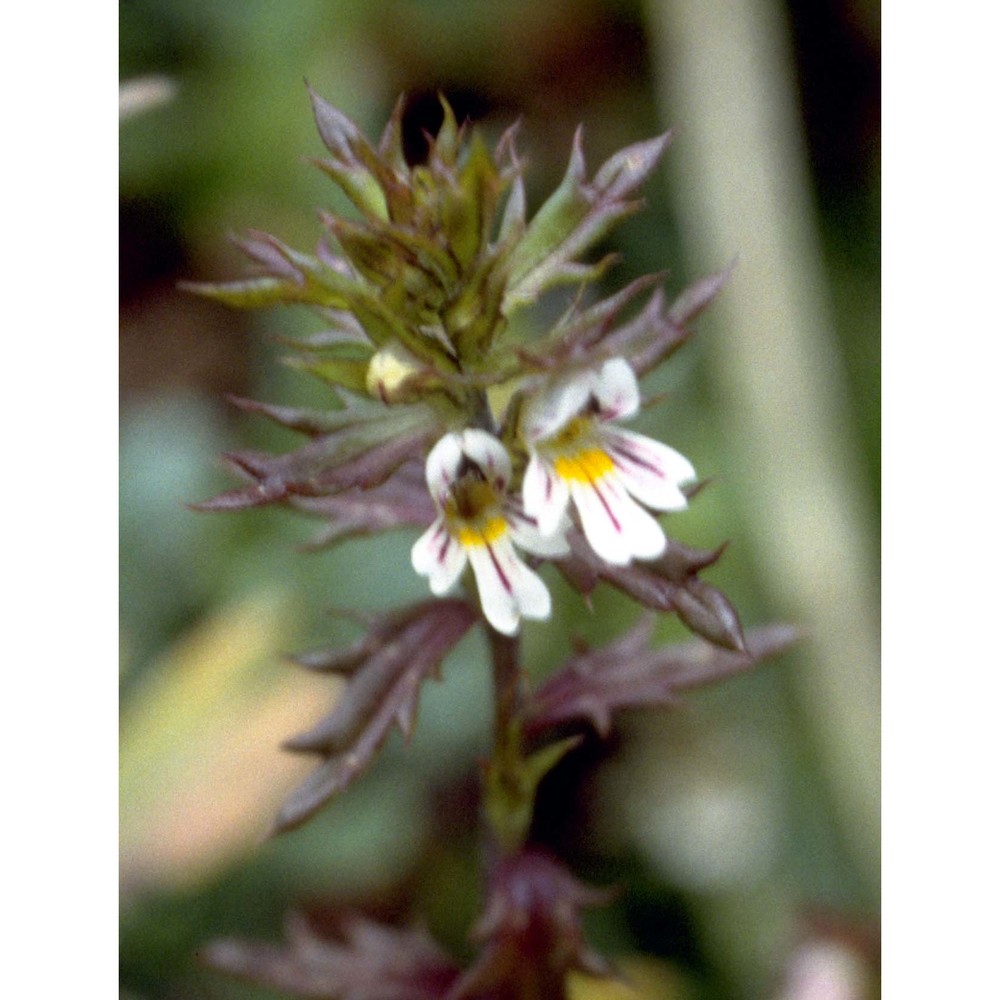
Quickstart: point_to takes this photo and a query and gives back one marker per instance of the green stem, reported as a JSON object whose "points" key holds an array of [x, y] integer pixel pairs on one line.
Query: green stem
{"points": [[508, 796]]}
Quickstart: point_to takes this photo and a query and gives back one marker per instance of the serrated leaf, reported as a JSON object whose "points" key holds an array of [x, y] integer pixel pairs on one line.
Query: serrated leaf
{"points": [[628, 169], [379, 630], [363, 452], [647, 339], [629, 673], [669, 583], [370, 962], [386, 254], [360, 186], [551, 225], [576, 216], [311, 422], [390, 144], [445, 145], [313, 283], [380, 693], [402, 501]]}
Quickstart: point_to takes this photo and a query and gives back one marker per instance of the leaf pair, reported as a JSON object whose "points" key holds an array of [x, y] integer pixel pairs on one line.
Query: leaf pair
{"points": [[530, 936]]}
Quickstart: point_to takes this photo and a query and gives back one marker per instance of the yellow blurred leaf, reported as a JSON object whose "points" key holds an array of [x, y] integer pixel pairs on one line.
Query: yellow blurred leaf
{"points": [[200, 769]]}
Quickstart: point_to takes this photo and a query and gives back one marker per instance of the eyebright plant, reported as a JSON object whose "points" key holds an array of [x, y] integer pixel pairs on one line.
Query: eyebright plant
{"points": [[505, 452]]}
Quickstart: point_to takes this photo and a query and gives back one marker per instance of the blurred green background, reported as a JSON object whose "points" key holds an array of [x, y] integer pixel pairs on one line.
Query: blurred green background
{"points": [[745, 828]]}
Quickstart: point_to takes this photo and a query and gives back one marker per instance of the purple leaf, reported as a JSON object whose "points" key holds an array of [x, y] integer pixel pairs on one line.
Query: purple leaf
{"points": [[272, 255], [531, 932], [645, 340], [630, 673], [669, 584], [311, 422], [372, 962], [401, 501], [386, 672], [696, 298], [367, 445]]}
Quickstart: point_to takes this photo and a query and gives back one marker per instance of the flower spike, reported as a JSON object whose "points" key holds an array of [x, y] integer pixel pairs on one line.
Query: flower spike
{"points": [[575, 454], [468, 475]]}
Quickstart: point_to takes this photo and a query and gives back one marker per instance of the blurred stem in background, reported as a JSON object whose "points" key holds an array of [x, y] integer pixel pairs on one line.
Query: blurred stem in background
{"points": [[725, 72]]}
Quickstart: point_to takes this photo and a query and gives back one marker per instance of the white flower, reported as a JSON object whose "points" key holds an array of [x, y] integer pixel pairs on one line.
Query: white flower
{"points": [[576, 454], [468, 475]]}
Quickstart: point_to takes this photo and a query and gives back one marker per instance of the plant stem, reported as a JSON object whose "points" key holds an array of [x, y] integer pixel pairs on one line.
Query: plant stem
{"points": [[507, 690], [508, 802]]}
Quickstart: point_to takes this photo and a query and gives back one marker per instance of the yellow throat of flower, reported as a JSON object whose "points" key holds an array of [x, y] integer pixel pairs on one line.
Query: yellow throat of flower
{"points": [[576, 455], [473, 513]]}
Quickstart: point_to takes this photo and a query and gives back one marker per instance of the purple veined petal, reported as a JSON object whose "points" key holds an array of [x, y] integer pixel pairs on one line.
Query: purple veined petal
{"points": [[508, 589], [496, 589], [651, 471], [528, 535], [616, 390], [442, 467], [545, 495], [616, 527], [548, 413], [437, 555], [490, 455]]}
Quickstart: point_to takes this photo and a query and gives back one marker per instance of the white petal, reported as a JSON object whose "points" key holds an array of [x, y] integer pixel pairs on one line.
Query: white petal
{"points": [[529, 536], [617, 528], [547, 413], [533, 596], [442, 467], [545, 494], [489, 454], [649, 470], [508, 590], [496, 589], [617, 390], [438, 556]]}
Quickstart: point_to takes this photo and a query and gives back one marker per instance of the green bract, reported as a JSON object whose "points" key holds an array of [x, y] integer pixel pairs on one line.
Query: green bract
{"points": [[443, 253], [417, 288]]}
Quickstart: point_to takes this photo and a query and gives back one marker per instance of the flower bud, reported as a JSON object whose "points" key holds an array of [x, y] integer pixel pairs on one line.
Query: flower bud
{"points": [[395, 374]]}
